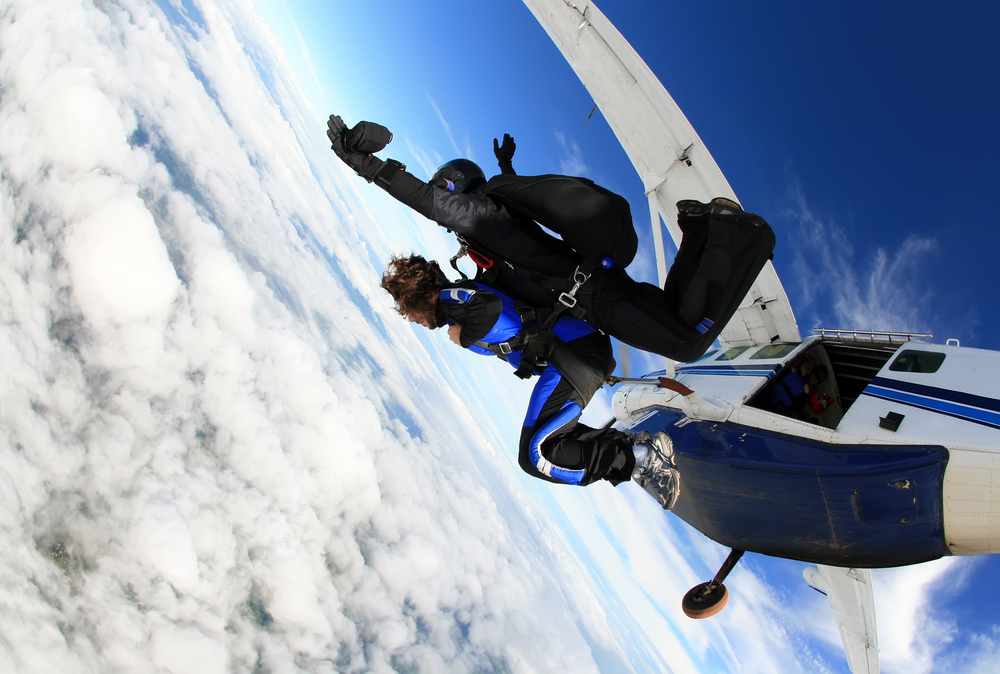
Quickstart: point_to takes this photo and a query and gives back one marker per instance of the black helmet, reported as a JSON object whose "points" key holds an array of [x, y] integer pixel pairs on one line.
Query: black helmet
{"points": [[465, 173]]}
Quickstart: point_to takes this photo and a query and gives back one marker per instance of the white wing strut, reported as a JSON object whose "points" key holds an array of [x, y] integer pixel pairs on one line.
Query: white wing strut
{"points": [[853, 602], [669, 156]]}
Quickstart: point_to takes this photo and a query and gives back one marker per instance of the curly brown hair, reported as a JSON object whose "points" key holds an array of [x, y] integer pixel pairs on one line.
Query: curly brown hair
{"points": [[413, 281]]}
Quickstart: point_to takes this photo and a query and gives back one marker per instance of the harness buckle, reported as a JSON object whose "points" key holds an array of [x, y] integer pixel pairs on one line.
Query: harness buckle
{"points": [[567, 299], [463, 249], [505, 348]]}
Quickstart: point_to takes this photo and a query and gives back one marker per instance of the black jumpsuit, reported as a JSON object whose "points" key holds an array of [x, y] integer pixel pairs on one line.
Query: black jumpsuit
{"points": [[638, 314]]}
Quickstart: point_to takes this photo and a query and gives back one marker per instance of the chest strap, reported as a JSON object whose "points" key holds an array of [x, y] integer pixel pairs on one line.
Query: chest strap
{"points": [[488, 268], [534, 342]]}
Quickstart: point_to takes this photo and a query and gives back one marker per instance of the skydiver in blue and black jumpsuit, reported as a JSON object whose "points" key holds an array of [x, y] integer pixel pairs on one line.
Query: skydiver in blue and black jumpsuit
{"points": [[572, 360], [553, 445]]}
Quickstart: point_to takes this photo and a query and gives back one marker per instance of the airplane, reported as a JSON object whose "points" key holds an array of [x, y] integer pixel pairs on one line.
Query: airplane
{"points": [[900, 467]]}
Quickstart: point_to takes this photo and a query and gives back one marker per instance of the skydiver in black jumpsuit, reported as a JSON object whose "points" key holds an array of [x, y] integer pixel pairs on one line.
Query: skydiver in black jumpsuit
{"points": [[674, 322]]}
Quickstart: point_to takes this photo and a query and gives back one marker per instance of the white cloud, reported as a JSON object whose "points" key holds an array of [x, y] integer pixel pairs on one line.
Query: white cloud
{"points": [[888, 295], [428, 160], [459, 152], [120, 270], [915, 635], [304, 48], [980, 655], [571, 163]]}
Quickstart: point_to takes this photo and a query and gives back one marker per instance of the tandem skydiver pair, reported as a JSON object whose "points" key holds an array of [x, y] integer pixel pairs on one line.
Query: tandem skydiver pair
{"points": [[547, 305], [721, 253]]}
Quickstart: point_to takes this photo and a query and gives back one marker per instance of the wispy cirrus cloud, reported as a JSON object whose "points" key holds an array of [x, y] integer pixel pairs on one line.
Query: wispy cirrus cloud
{"points": [[885, 292], [304, 48], [459, 152], [979, 653], [915, 635], [571, 163], [428, 160]]}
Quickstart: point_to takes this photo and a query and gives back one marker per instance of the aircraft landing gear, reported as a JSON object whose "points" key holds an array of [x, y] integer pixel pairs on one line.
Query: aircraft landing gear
{"points": [[707, 599]]}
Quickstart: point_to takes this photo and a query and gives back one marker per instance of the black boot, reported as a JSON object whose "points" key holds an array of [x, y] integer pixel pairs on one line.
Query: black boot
{"points": [[691, 208]]}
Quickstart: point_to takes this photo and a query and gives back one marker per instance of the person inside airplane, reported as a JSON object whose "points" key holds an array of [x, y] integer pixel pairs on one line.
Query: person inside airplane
{"points": [[582, 273], [573, 362], [798, 388], [819, 402]]}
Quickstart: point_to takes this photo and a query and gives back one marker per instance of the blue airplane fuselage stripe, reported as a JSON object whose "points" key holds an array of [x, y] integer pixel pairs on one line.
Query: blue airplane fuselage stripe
{"points": [[732, 370], [959, 397], [972, 414]]}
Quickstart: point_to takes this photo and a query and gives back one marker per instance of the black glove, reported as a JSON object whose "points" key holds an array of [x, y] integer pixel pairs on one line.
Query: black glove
{"points": [[335, 128], [364, 164], [504, 153], [367, 137]]}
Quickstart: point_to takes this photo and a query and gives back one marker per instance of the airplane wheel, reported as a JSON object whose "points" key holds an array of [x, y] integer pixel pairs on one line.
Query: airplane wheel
{"points": [[699, 604]]}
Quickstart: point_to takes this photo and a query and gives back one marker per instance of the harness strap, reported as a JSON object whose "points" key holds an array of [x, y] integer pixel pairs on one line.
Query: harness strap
{"points": [[501, 349], [388, 171], [535, 342], [489, 266], [463, 249]]}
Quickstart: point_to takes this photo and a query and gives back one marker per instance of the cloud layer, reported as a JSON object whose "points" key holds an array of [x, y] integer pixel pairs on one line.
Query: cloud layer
{"points": [[219, 449]]}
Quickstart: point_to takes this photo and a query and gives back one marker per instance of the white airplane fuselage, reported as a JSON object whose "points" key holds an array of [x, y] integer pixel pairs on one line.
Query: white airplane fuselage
{"points": [[903, 466]]}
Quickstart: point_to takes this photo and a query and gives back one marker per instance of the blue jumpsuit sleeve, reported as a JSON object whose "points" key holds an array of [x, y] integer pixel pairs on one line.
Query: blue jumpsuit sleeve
{"points": [[475, 309]]}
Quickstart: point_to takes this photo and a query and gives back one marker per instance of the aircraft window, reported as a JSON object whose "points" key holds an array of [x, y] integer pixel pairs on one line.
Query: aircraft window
{"points": [[774, 351], [707, 355], [917, 361], [733, 353]]}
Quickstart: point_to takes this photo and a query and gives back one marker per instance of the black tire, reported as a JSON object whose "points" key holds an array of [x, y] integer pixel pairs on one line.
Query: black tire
{"points": [[697, 604]]}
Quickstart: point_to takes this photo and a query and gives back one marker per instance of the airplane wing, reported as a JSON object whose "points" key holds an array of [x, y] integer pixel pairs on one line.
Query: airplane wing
{"points": [[664, 148], [853, 602]]}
